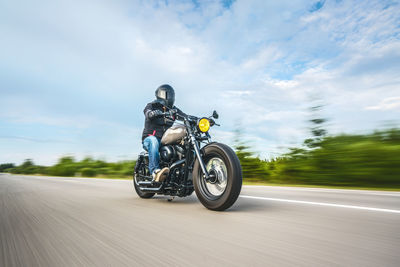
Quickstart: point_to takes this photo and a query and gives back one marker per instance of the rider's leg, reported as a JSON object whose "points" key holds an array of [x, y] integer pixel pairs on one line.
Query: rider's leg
{"points": [[151, 144]]}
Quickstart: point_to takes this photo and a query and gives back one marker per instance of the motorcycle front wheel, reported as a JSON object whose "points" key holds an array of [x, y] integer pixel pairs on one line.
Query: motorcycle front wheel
{"points": [[223, 165]]}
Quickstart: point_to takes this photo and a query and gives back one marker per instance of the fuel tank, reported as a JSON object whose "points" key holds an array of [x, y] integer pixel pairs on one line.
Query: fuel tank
{"points": [[174, 135]]}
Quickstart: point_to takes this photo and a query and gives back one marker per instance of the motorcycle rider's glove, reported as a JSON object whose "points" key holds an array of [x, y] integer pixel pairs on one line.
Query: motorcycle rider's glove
{"points": [[173, 112], [154, 114]]}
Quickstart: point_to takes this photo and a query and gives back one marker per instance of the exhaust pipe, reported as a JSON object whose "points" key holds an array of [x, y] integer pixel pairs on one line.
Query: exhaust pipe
{"points": [[151, 189], [145, 182]]}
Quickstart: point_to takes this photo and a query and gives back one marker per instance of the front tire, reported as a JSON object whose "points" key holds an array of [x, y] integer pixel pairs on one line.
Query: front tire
{"points": [[221, 193]]}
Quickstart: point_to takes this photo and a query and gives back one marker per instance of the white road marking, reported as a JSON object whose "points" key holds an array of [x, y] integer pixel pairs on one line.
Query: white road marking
{"points": [[322, 204], [328, 190]]}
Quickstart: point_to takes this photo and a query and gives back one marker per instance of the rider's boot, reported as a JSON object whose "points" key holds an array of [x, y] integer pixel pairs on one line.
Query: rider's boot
{"points": [[160, 175]]}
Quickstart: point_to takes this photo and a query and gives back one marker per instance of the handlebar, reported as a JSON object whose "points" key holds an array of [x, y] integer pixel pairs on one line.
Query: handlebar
{"points": [[174, 115]]}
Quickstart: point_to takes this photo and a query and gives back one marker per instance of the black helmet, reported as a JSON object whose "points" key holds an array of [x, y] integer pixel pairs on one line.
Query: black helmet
{"points": [[166, 95]]}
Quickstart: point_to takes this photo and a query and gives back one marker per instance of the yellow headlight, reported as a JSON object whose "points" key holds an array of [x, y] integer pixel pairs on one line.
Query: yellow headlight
{"points": [[204, 125]]}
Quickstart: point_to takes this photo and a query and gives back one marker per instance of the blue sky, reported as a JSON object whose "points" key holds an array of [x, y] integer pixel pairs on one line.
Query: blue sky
{"points": [[76, 75]]}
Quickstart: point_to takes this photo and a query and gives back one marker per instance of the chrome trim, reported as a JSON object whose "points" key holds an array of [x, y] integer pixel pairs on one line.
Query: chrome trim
{"points": [[179, 162], [151, 189], [145, 182]]}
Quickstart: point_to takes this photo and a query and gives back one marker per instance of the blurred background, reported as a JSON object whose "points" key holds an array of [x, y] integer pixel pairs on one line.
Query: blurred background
{"points": [[308, 92]]}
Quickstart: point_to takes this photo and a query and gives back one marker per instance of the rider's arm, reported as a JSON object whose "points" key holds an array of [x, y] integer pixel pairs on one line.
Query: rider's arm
{"points": [[151, 113], [180, 112]]}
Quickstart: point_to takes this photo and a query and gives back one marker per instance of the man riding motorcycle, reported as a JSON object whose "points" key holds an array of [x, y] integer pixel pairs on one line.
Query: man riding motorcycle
{"points": [[155, 126]]}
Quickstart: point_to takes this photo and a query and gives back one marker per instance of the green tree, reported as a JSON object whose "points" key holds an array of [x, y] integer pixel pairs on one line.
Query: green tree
{"points": [[369, 160], [88, 172], [6, 167], [253, 168], [317, 129], [66, 166]]}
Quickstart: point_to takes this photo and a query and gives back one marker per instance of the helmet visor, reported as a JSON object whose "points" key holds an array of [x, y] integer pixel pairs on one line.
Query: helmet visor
{"points": [[170, 98], [162, 94]]}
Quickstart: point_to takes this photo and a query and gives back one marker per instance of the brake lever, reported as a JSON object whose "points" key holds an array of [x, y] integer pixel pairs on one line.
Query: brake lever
{"points": [[212, 122]]}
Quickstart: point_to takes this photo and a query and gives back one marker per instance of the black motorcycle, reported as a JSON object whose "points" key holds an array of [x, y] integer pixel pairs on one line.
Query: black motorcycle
{"points": [[196, 163]]}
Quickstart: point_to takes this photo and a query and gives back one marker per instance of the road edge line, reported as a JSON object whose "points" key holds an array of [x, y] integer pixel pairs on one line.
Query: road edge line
{"points": [[322, 204]]}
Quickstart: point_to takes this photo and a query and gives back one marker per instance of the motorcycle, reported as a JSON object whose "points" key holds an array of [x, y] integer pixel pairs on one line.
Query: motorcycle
{"points": [[196, 163]]}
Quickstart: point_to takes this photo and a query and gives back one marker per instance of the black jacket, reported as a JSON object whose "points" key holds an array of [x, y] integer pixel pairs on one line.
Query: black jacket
{"points": [[156, 126]]}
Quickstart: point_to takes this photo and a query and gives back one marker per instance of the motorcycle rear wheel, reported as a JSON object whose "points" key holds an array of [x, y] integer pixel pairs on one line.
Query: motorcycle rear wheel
{"points": [[222, 192], [137, 186], [140, 192]]}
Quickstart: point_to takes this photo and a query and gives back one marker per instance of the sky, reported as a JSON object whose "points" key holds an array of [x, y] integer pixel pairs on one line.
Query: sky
{"points": [[76, 75]]}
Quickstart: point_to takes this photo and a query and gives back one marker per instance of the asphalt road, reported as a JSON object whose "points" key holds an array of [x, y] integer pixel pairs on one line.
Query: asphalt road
{"points": [[48, 221]]}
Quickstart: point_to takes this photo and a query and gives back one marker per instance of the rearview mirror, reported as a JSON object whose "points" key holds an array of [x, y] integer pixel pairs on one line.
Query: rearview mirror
{"points": [[215, 114]]}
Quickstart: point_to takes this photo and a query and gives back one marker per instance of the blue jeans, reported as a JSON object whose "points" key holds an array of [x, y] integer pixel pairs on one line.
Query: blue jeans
{"points": [[152, 144]]}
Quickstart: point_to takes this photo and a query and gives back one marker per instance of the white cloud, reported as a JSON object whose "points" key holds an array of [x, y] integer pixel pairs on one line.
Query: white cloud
{"points": [[386, 104], [284, 84], [238, 93], [264, 57]]}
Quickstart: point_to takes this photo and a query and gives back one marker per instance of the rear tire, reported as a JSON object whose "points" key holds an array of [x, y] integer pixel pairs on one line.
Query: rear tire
{"points": [[221, 194], [140, 192], [141, 167]]}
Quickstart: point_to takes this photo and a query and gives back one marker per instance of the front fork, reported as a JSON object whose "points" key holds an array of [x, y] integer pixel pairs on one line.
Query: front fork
{"points": [[207, 176]]}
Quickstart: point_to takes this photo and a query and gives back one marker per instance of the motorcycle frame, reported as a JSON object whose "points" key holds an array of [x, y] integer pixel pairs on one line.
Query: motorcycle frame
{"points": [[190, 157]]}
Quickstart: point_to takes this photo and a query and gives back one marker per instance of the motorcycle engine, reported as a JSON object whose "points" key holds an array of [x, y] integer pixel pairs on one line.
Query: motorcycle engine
{"points": [[167, 153], [171, 153]]}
